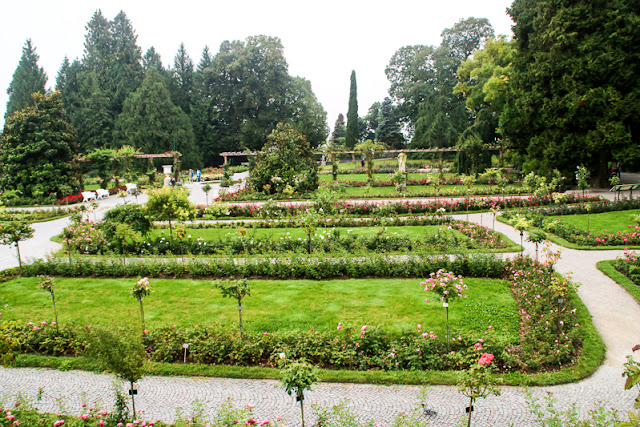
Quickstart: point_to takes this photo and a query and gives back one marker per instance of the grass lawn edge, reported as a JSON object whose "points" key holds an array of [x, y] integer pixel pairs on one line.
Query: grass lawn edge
{"points": [[607, 268], [593, 353]]}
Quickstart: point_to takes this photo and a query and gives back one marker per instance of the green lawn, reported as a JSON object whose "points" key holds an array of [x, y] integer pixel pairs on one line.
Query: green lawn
{"points": [[606, 222], [396, 304], [460, 190], [209, 234], [362, 177]]}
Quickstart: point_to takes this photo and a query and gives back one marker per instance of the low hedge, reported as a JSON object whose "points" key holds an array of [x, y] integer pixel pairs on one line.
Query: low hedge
{"points": [[479, 265]]}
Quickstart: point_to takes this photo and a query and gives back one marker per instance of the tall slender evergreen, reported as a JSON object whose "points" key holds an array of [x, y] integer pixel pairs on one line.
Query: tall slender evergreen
{"points": [[351, 138]]}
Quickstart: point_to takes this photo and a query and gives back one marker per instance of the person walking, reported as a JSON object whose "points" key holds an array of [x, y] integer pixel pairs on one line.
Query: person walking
{"points": [[198, 175]]}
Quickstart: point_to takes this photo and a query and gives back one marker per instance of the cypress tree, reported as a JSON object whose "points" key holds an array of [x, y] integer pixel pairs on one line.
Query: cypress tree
{"points": [[351, 136], [27, 79]]}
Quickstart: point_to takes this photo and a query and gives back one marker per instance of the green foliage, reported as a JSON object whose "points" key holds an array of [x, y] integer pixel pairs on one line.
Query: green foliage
{"points": [[245, 92], [298, 376], [351, 135], [388, 129], [37, 148], [169, 204], [132, 215], [285, 160], [27, 79], [565, 108], [422, 81], [582, 178], [120, 350], [206, 188], [152, 123], [236, 289]]}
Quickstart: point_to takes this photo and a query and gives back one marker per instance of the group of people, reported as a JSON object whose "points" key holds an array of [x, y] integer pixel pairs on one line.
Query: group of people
{"points": [[198, 175]]}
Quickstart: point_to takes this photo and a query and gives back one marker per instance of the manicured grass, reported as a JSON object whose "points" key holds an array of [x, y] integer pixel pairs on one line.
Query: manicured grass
{"points": [[363, 177], [606, 222], [209, 234], [460, 190], [395, 304]]}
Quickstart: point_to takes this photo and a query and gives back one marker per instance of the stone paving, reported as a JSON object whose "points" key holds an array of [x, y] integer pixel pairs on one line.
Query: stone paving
{"points": [[616, 316]]}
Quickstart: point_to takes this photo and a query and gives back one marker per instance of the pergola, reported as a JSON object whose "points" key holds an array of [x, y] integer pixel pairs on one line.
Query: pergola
{"points": [[499, 148]]}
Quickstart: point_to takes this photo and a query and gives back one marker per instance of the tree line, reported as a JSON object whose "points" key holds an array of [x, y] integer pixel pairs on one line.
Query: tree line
{"points": [[561, 93], [116, 96]]}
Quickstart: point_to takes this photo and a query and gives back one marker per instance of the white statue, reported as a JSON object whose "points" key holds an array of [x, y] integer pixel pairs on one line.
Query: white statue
{"points": [[402, 162]]}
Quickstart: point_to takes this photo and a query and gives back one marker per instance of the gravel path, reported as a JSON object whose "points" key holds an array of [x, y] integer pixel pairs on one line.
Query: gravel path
{"points": [[616, 316]]}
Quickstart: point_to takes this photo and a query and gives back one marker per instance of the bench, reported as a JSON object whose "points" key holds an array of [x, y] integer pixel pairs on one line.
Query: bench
{"points": [[625, 187], [102, 193], [88, 195], [131, 187]]}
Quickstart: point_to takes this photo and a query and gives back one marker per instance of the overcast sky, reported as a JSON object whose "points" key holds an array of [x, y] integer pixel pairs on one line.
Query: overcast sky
{"points": [[323, 40]]}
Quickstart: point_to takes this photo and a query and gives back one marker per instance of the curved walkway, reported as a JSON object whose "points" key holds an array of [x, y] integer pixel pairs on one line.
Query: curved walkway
{"points": [[616, 316]]}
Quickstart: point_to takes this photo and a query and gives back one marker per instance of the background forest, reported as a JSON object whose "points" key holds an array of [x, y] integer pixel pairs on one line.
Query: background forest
{"points": [[559, 94]]}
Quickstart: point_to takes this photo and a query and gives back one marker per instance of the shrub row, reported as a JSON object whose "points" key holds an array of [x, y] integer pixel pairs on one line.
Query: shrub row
{"points": [[349, 348], [89, 239], [277, 267], [34, 215], [394, 208]]}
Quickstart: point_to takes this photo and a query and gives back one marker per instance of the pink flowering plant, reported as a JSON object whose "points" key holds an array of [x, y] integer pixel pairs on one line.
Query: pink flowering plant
{"points": [[448, 286], [478, 381], [140, 290]]}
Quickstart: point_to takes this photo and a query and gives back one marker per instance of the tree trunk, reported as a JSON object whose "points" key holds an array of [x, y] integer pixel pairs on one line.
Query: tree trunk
{"points": [[19, 259], [141, 313], [301, 398], [133, 401], [240, 317], [55, 312]]}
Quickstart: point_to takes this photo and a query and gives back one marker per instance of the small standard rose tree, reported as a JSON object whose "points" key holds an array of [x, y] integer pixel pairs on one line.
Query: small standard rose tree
{"points": [[296, 377], [236, 289], [48, 285], [448, 286], [478, 381], [140, 290]]}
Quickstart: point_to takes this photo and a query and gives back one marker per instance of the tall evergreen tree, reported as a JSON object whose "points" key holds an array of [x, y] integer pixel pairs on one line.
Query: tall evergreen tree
{"points": [[183, 78], [351, 137], [339, 131], [126, 71], [27, 79], [575, 84], [151, 59], [388, 130], [98, 46], [151, 122]]}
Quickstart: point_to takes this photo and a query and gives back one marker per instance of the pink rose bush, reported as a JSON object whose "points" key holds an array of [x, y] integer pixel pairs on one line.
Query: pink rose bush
{"points": [[446, 285]]}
